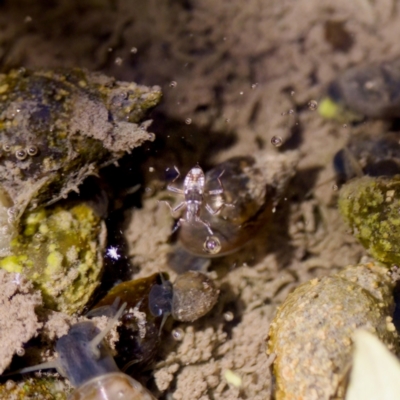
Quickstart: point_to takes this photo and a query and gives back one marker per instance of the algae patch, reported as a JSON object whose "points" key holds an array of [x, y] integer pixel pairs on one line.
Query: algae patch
{"points": [[59, 250], [370, 206]]}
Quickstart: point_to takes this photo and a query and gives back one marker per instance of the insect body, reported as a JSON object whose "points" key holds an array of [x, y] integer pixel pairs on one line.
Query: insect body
{"points": [[193, 190]]}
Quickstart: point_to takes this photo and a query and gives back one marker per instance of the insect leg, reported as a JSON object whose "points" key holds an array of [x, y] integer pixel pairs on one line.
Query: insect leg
{"points": [[177, 171], [207, 225], [179, 206], [221, 187], [175, 190]]}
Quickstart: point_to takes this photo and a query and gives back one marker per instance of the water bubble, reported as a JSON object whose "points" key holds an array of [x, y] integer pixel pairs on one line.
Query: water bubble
{"points": [[118, 61], [178, 334], [21, 154], [312, 105], [173, 84], [188, 121], [228, 316], [134, 50], [20, 352], [276, 141], [32, 151], [212, 245]]}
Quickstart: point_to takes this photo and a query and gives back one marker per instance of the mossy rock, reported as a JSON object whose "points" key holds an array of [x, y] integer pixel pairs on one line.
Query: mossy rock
{"points": [[370, 206], [60, 251]]}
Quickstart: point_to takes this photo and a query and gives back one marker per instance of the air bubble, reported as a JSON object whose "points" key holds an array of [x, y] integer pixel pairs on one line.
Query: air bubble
{"points": [[118, 61], [291, 112], [276, 141], [20, 352], [292, 93], [178, 334], [21, 154], [6, 147], [312, 105], [28, 19], [241, 93], [344, 125], [173, 84], [212, 245], [32, 151], [134, 50], [228, 316], [254, 85], [335, 188], [188, 121]]}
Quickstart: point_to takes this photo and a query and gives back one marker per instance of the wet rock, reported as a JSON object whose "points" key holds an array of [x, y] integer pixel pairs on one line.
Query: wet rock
{"points": [[312, 330], [370, 206], [60, 250], [58, 127]]}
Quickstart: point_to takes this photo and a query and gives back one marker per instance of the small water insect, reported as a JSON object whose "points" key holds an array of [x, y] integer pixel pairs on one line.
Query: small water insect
{"points": [[193, 190], [84, 358]]}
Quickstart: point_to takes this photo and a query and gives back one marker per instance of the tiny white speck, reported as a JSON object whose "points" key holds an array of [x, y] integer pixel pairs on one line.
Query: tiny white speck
{"points": [[17, 279], [112, 252]]}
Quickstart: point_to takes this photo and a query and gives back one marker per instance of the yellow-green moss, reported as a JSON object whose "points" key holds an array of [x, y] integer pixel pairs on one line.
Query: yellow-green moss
{"points": [[59, 249], [330, 109], [44, 388], [371, 207]]}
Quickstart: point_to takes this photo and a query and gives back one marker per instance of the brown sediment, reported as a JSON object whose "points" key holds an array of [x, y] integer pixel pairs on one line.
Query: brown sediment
{"points": [[238, 68]]}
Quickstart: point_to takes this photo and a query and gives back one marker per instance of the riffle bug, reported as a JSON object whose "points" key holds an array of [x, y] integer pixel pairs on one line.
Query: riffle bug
{"points": [[194, 192]]}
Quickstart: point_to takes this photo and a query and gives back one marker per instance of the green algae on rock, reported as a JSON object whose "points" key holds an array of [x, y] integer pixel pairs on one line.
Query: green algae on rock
{"points": [[311, 335], [58, 127], [60, 250], [43, 388], [370, 206]]}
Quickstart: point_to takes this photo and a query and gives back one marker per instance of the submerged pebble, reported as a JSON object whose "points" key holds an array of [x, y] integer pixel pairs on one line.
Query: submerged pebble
{"points": [[373, 155], [370, 90], [311, 334], [194, 295], [370, 206]]}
